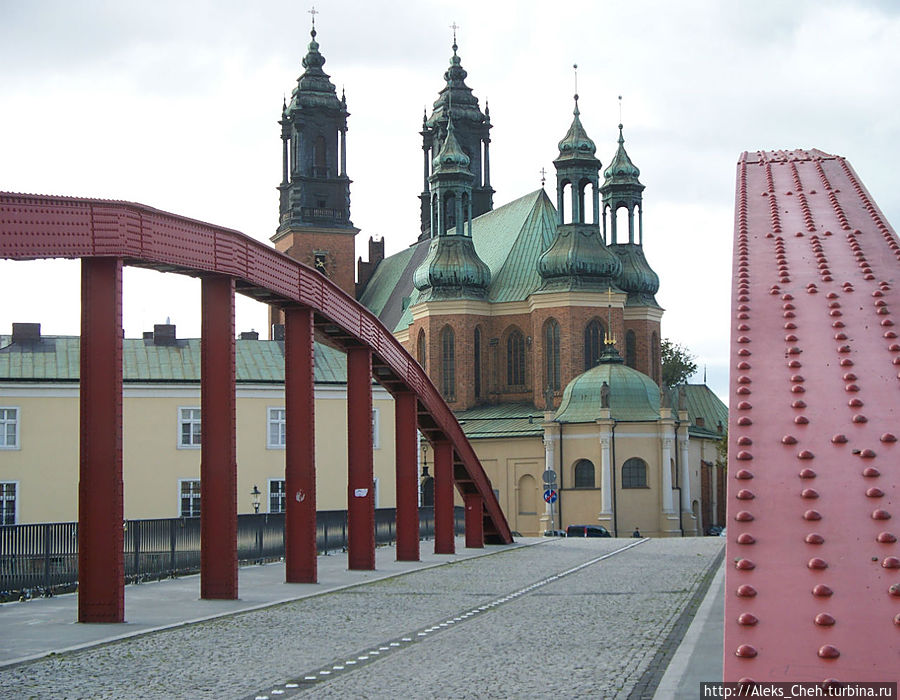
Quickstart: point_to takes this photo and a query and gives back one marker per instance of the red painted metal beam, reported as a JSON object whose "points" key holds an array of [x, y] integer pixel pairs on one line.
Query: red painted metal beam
{"points": [[300, 447], [444, 542], [101, 558], [218, 460], [813, 578], [36, 226], [407, 477], [360, 475], [474, 505]]}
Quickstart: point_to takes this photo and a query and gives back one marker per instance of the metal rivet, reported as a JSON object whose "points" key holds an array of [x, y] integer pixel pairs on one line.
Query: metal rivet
{"points": [[747, 619], [789, 440], [743, 365], [846, 362], [746, 651], [868, 453], [793, 364], [874, 492], [859, 418], [745, 495], [743, 474], [816, 563], [801, 420], [851, 387], [888, 437], [812, 515], [894, 590], [807, 474], [824, 619], [805, 454], [886, 538], [839, 439], [744, 379], [809, 493], [814, 538], [743, 455], [820, 590], [744, 421], [748, 591], [880, 514], [743, 440], [743, 516], [744, 565], [849, 377], [855, 403], [871, 472], [746, 538], [798, 403], [891, 563], [744, 406], [828, 651]]}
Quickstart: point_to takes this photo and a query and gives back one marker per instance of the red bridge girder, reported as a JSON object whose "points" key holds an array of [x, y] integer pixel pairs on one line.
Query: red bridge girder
{"points": [[813, 578], [108, 234]]}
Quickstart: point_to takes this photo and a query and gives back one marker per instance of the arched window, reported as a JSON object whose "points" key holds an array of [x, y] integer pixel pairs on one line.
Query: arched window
{"points": [[449, 212], [584, 474], [448, 364], [551, 354], [527, 495], [515, 359], [320, 163], [477, 361], [634, 473], [421, 353], [593, 343], [631, 350]]}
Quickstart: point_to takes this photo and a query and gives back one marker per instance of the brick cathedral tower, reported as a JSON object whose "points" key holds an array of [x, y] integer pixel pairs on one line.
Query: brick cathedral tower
{"points": [[314, 203]]}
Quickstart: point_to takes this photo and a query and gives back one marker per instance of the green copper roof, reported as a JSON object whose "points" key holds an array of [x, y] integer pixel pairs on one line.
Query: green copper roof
{"points": [[702, 402], [621, 170], [633, 396], [451, 157], [576, 144], [502, 420], [56, 358], [637, 277], [578, 259], [452, 270]]}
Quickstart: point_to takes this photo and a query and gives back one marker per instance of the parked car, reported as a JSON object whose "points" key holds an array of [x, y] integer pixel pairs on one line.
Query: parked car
{"points": [[554, 533], [587, 531]]}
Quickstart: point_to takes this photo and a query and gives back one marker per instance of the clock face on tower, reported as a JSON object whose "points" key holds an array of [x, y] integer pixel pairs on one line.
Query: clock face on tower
{"points": [[320, 261]]}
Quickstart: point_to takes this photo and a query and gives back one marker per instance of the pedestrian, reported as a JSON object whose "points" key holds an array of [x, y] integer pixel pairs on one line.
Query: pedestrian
{"points": [[636, 533]]}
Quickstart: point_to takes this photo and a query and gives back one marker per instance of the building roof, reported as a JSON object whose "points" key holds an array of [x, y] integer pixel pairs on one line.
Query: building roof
{"points": [[702, 403], [633, 396], [509, 239], [501, 421], [57, 358]]}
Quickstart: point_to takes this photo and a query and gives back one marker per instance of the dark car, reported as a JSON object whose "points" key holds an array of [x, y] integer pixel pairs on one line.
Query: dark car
{"points": [[587, 531], [554, 533]]}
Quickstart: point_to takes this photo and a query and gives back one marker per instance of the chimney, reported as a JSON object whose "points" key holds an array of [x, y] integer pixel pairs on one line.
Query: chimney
{"points": [[26, 333], [365, 268], [278, 331], [164, 334], [249, 335], [700, 422]]}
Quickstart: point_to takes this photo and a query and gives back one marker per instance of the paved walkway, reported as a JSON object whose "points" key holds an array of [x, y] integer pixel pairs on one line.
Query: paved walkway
{"points": [[565, 617]]}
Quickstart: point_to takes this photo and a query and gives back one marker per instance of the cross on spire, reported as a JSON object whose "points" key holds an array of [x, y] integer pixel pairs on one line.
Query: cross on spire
{"points": [[543, 177], [575, 68], [454, 27], [313, 11], [620, 109]]}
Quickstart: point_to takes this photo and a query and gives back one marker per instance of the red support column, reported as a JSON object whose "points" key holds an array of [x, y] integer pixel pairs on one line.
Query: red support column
{"points": [[101, 559], [360, 476], [474, 520], [443, 499], [218, 463], [300, 448], [407, 476]]}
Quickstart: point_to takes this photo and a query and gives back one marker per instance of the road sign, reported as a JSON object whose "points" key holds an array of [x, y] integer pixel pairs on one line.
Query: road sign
{"points": [[549, 477], [550, 495]]}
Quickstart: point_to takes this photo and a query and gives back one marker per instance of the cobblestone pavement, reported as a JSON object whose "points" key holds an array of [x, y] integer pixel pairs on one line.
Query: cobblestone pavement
{"points": [[591, 633]]}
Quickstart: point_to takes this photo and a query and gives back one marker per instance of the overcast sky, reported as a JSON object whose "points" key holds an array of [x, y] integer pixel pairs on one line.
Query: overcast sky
{"points": [[175, 105]]}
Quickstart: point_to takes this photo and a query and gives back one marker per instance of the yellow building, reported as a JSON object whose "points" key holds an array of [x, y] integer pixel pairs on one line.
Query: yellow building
{"points": [[39, 427]]}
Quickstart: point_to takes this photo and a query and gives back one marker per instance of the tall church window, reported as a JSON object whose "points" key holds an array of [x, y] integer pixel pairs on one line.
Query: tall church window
{"points": [[634, 473], [515, 359], [320, 164], [551, 354], [476, 356], [420, 349], [584, 474], [593, 343], [449, 212], [631, 350], [448, 364]]}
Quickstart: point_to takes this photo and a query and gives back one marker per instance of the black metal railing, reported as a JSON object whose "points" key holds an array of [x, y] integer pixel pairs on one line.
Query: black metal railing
{"points": [[42, 559]]}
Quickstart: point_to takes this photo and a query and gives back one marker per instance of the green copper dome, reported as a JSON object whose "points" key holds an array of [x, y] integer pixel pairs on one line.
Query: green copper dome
{"points": [[621, 170], [632, 395], [314, 87], [452, 270], [576, 144], [578, 259], [451, 158], [637, 277]]}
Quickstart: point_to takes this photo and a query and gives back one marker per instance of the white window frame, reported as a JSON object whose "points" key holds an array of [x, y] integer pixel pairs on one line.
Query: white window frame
{"points": [[15, 421], [375, 491], [181, 421], [180, 482], [376, 428], [270, 493], [15, 500], [271, 422]]}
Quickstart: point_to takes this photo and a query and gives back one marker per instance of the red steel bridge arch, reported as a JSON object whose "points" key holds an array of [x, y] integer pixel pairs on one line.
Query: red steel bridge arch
{"points": [[106, 235], [813, 575]]}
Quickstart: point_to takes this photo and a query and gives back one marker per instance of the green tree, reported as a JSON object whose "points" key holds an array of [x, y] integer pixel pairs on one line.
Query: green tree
{"points": [[677, 363]]}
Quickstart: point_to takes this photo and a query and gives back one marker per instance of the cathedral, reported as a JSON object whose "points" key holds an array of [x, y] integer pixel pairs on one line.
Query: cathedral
{"points": [[536, 320]]}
